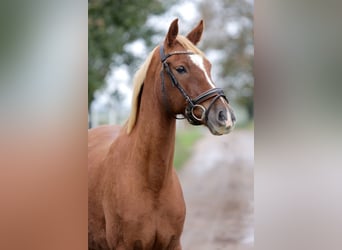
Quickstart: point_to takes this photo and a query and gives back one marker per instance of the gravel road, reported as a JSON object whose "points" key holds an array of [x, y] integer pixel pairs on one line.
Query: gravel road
{"points": [[217, 183]]}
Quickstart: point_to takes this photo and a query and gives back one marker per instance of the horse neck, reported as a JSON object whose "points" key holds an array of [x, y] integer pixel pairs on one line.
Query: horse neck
{"points": [[155, 138]]}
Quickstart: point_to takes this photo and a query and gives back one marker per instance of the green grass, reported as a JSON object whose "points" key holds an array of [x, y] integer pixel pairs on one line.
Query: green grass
{"points": [[185, 139], [249, 125]]}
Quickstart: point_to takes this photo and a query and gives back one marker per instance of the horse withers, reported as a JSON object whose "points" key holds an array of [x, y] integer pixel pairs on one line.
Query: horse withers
{"points": [[135, 199]]}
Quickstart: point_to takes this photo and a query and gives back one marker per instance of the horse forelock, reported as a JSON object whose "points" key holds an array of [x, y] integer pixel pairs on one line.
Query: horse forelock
{"points": [[139, 78]]}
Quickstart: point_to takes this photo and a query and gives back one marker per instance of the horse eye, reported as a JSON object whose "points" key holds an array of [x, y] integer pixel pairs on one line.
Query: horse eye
{"points": [[181, 70]]}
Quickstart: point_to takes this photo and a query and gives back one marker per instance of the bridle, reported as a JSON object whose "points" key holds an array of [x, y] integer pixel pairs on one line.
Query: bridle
{"points": [[192, 104]]}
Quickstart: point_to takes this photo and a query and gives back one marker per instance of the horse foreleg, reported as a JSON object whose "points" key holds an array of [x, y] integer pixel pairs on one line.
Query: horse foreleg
{"points": [[174, 244], [112, 229]]}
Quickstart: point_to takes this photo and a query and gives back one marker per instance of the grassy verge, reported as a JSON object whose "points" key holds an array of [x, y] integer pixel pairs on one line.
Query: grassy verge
{"points": [[185, 139], [249, 125]]}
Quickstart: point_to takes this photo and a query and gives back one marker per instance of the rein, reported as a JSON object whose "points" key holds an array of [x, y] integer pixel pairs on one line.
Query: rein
{"points": [[192, 104]]}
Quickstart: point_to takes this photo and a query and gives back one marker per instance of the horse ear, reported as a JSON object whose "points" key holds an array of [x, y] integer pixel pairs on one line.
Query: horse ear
{"points": [[195, 35], [172, 33]]}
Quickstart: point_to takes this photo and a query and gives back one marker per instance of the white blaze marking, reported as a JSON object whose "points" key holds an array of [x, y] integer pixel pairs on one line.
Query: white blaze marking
{"points": [[198, 60], [229, 121]]}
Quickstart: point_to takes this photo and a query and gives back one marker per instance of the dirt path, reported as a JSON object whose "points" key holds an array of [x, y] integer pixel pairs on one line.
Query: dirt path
{"points": [[217, 183]]}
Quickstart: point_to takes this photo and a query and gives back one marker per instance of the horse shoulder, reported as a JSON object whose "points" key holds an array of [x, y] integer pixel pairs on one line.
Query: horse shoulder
{"points": [[99, 141]]}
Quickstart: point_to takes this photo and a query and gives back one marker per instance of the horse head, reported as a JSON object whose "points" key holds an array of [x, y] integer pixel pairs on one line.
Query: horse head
{"points": [[186, 84]]}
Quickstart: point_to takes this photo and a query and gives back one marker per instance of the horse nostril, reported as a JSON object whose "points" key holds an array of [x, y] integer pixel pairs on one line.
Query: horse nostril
{"points": [[222, 116]]}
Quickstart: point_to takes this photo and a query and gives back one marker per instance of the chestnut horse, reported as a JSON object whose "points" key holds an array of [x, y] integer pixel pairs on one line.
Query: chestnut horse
{"points": [[135, 198]]}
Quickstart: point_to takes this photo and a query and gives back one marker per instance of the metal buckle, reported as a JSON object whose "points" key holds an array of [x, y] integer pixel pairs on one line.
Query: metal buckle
{"points": [[203, 112]]}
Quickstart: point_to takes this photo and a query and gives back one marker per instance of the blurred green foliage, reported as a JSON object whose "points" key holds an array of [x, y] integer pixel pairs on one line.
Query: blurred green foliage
{"points": [[248, 125], [230, 22], [185, 140], [111, 25]]}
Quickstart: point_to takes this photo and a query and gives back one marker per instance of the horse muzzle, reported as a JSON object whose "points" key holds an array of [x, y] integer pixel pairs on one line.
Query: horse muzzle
{"points": [[218, 116], [221, 120], [224, 124], [211, 109]]}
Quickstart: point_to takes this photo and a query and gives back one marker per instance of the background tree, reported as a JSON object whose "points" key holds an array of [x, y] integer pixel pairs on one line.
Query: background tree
{"points": [[114, 25], [111, 25], [230, 22]]}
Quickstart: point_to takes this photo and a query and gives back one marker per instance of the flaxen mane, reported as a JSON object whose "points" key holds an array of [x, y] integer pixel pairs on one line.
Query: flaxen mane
{"points": [[140, 75]]}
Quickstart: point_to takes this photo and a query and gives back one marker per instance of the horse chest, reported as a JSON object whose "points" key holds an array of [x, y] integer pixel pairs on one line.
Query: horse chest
{"points": [[152, 223]]}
